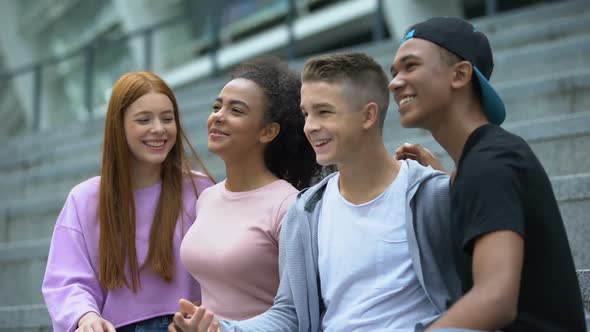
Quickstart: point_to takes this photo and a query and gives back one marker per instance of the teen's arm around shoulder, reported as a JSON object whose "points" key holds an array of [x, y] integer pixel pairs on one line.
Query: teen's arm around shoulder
{"points": [[282, 316], [493, 227], [70, 285]]}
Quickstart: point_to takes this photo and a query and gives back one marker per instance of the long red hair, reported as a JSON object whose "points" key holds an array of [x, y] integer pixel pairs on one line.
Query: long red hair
{"points": [[116, 203]]}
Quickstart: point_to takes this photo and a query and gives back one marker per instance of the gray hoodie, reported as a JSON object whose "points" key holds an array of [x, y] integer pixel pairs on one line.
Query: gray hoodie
{"points": [[298, 305]]}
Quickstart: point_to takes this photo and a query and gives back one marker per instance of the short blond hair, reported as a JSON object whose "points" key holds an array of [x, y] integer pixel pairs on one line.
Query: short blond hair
{"points": [[359, 70]]}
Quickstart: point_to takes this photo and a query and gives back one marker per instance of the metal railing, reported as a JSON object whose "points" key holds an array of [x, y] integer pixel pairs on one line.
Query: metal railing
{"points": [[89, 57], [88, 53]]}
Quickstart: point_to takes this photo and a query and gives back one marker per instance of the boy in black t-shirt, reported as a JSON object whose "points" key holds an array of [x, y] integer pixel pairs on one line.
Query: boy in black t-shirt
{"points": [[508, 237]]}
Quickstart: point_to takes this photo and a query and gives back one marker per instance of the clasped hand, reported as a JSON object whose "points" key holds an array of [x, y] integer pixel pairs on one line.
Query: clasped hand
{"points": [[192, 318]]}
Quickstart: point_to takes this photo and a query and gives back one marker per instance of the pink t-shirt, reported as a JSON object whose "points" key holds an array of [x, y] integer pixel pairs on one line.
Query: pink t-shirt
{"points": [[232, 248]]}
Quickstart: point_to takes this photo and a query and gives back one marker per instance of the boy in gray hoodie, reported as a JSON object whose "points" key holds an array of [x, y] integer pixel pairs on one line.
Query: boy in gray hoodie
{"points": [[367, 247]]}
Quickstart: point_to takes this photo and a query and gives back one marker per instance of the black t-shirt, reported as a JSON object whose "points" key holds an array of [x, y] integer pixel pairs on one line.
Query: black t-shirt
{"points": [[500, 185]]}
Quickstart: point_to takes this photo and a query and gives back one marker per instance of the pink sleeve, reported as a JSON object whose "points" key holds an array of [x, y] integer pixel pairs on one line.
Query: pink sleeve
{"points": [[202, 183], [285, 205], [70, 286]]}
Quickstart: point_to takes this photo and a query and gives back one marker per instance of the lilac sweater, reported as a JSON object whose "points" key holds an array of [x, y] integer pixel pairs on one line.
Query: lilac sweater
{"points": [[71, 286]]}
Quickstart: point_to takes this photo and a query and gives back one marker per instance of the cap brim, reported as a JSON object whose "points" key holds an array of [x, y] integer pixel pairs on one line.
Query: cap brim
{"points": [[493, 106]]}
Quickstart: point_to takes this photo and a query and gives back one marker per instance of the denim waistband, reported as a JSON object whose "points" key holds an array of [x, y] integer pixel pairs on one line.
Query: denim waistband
{"points": [[156, 324]]}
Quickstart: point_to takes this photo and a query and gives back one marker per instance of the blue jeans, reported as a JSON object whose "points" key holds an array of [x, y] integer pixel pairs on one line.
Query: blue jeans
{"points": [[156, 324]]}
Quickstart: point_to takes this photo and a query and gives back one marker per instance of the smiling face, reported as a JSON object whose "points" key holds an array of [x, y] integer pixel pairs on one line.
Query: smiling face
{"points": [[236, 122], [332, 124], [421, 84], [150, 129]]}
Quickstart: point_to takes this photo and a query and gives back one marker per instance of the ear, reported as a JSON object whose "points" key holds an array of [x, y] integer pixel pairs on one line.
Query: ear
{"points": [[370, 114], [462, 73], [269, 132]]}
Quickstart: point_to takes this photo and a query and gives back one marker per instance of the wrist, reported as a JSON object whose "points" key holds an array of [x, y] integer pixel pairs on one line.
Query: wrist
{"points": [[91, 315]]}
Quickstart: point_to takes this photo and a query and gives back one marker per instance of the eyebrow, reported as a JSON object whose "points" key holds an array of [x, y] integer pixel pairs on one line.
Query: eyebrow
{"points": [[402, 60], [318, 105], [234, 102], [146, 112]]}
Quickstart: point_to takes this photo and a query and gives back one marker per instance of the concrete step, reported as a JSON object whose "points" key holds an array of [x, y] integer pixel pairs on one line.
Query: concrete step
{"points": [[530, 16], [530, 61], [71, 152], [32, 214], [550, 29], [553, 95], [561, 143], [84, 149], [40, 182], [551, 22], [23, 262], [584, 279], [25, 318], [573, 195], [30, 228], [207, 89], [537, 60], [46, 179], [30, 219], [23, 268], [24, 145]]}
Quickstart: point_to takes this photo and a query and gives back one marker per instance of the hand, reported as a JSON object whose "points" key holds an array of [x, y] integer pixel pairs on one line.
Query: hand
{"points": [[420, 154], [92, 322], [173, 328], [193, 319]]}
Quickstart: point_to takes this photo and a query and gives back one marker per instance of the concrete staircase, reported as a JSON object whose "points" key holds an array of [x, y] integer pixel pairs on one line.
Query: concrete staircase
{"points": [[542, 72]]}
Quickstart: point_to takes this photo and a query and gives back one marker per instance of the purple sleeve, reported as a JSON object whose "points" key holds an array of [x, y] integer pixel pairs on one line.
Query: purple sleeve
{"points": [[70, 286], [203, 182]]}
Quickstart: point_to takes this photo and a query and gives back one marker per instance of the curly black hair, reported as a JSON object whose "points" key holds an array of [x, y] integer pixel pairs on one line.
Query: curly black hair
{"points": [[289, 156]]}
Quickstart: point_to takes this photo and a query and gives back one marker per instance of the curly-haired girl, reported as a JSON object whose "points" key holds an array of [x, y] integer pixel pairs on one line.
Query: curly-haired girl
{"points": [[256, 127]]}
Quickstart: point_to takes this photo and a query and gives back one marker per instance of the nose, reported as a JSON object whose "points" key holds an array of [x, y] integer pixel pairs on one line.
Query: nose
{"points": [[217, 116], [158, 126], [396, 83], [311, 124]]}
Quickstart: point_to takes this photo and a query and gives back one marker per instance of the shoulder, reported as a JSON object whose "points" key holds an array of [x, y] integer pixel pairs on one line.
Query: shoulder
{"points": [[497, 147], [436, 181], [490, 165], [81, 206], [210, 191], [285, 190], [201, 180], [306, 201], [272, 195], [316, 191], [497, 154], [434, 192], [87, 190], [427, 178]]}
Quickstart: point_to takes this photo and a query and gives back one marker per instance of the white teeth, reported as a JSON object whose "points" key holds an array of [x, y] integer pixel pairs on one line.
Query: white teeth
{"points": [[406, 100], [155, 144], [321, 142]]}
